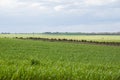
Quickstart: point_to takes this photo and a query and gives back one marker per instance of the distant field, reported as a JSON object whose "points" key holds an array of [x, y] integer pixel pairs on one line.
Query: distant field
{"points": [[100, 38], [42, 60]]}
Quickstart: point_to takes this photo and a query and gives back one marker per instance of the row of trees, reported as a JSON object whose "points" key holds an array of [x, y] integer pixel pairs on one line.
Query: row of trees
{"points": [[80, 33], [70, 33], [72, 40]]}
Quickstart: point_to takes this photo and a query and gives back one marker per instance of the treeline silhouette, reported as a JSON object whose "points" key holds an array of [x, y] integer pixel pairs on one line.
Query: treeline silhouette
{"points": [[80, 33], [69, 33]]}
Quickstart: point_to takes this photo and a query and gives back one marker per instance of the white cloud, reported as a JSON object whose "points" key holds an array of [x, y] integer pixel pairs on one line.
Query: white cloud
{"points": [[8, 3], [58, 1], [59, 8], [37, 6], [98, 2], [79, 7]]}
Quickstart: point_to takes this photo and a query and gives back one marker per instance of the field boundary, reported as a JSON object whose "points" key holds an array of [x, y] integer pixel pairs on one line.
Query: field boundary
{"points": [[72, 41]]}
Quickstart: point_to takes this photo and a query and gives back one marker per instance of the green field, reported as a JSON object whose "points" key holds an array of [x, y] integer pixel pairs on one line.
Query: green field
{"points": [[100, 38], [43, 60]]}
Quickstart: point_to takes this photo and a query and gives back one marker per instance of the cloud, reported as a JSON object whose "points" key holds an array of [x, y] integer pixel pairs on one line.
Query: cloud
{"points": [[8, 3], [71, 14], [37, 6], [53, 6], [58, 1], [98, 8], [59, 8], [98, 2]]}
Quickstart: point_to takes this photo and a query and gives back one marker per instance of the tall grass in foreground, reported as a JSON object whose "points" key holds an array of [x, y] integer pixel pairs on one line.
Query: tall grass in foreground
{"points": [[42, 60]]}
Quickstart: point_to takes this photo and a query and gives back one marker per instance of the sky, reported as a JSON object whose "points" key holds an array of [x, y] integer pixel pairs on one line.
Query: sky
{"points": [[26, 16]]}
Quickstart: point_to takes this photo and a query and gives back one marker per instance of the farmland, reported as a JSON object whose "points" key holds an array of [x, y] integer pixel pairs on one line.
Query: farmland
{"points": [[44, 60], [100, 38]]}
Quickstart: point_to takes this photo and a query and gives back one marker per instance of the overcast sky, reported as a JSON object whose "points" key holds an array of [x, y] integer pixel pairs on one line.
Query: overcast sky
{"points": [[59, 15]]}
